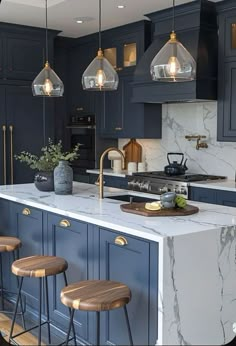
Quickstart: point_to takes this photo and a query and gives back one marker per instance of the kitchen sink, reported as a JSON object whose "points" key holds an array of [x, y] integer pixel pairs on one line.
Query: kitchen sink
{"points": [[131, 198]]}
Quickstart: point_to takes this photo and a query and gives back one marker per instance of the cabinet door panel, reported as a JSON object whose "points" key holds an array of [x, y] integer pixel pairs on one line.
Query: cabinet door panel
{"points": [[2, 123], [203, 195], [71, 243], [128, 264], [230, 36], [29, 229], [24, 56], [226, 198], [227, 104], [25, 114], [112, 116]]}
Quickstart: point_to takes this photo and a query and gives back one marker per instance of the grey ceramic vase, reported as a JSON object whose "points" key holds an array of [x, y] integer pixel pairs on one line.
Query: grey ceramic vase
{"points": [[63, 178]]}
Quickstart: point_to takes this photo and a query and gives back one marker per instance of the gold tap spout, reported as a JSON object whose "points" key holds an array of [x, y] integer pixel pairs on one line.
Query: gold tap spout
{"points": [[101, 167]]}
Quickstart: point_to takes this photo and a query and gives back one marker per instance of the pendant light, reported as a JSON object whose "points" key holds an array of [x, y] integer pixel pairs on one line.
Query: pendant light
{"points": [[47, 83], [100, 75], [173, 63]]}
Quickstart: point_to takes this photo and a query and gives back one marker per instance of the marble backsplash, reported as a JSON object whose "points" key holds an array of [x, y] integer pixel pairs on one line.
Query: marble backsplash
{"points": [[184, 119]]}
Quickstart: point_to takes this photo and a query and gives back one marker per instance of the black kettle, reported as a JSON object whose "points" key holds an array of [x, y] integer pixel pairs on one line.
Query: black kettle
{"points": [[175, 168]]}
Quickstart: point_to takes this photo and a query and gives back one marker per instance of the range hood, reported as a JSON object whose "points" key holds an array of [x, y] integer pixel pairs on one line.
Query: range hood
{"points": [[196, 29]]}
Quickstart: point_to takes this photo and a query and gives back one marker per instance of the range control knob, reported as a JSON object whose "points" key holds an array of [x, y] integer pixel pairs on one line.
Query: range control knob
{"points": [[144, 186], [183, 191], [163, 189]]}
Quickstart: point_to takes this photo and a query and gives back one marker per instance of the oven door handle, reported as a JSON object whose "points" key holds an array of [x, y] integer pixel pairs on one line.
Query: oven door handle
{"points": [[80, 127]]}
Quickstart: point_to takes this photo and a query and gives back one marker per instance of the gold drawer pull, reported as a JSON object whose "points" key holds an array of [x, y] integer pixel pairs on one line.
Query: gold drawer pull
{"points": [[118, 128], [26, 211], [121, 241], [118, 69], [64, 223]]}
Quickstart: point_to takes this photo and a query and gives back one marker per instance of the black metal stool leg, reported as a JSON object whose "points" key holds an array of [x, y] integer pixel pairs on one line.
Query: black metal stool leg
{"points": [[16, 307], [128, 326], [21, 304], [97, 328], [73, 327], [47, 310], [40, 311], [2, 290], [70, 325]]}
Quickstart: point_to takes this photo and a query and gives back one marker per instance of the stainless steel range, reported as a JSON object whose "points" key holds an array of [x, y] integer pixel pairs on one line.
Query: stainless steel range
{"points": [[158, 182]]}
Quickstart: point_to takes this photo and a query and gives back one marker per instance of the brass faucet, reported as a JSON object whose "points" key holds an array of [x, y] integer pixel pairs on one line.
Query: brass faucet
{"points": [[198, 138], [101, 168]]}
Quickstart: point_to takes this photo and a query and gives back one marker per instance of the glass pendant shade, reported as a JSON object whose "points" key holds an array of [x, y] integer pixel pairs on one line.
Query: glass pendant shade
{"points": [[173, 63], [47, 83], [100, 75]]}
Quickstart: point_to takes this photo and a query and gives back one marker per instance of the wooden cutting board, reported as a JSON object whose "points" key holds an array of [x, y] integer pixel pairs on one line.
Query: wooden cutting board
{"points": [[133, 151], [139, 208]]}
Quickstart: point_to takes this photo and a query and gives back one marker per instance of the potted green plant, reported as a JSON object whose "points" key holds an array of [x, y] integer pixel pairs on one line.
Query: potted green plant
{"points": [[45, 163]]}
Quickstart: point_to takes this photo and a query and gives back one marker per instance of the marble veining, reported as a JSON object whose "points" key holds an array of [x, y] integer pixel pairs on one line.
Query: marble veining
{"points": [[179, 120]]}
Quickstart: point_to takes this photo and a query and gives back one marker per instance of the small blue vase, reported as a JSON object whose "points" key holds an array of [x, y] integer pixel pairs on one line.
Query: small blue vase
{"points": [[63, 178]]}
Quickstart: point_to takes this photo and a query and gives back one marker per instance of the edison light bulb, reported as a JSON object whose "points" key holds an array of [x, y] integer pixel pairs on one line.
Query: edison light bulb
{"points": [[47, 87], [173, 66], [100, 78]]}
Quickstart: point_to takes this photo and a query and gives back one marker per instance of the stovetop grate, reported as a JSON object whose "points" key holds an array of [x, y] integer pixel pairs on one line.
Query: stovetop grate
{"points": [[187, 177]]}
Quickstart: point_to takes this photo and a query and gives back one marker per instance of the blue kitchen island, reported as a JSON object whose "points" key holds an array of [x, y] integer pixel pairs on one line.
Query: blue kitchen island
{"points": [[181, 270]]}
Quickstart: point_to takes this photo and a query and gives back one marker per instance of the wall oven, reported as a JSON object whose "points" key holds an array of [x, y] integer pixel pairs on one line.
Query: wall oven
{"points": [[82, 129]]}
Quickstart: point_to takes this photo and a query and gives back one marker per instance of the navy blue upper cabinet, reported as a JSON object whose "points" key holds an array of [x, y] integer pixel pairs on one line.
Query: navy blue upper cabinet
{"points": [[23, 51], [123, 46], [226, 125], [120, 118], [134, 264]]}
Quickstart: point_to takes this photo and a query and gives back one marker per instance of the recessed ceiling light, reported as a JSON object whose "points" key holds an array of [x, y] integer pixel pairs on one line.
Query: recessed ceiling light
{"points": [[81, 20], [121, 6]]}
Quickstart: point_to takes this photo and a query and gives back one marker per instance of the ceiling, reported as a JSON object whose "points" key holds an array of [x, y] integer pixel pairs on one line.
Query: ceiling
{"points": [[62, 13]]}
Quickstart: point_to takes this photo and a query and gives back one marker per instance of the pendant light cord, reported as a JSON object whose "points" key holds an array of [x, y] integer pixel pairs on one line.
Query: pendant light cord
{"points": [[46, 13], [100, 24], [173, 17]]}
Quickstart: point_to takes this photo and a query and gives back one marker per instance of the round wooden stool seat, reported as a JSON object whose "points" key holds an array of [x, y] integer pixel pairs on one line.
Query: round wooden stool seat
{"points": [[39, 266], [95, 295], [8, 244]]}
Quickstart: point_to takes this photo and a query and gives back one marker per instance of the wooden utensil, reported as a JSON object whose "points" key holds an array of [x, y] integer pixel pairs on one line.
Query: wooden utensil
{"points": [[133, 152], [139, 208]]}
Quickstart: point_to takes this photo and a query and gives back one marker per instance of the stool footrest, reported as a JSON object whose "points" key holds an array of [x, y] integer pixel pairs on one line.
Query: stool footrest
{"points": [[28, 330]]}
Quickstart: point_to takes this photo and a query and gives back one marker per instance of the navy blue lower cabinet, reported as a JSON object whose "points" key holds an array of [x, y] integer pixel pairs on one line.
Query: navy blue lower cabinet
{"points": [[69, 239], [227, 198], [201, 194], [5, 230], [28, 225], [112, 181], [134, 264], [222, 197]]}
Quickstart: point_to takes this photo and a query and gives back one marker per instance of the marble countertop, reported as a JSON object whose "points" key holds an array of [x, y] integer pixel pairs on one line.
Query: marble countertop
{"points": [[85, 205]]}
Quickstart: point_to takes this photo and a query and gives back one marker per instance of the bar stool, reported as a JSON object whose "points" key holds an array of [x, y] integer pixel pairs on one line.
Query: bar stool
{"points": [[96, 295], [9, 244], [38, 267]]}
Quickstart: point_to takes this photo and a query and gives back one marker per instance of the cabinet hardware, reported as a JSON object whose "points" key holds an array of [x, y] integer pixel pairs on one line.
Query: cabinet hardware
{"points": [[26, 211], [119, 68], [79, 108], [118, 128], [122, 241], [4, 155], [11, 153], [64, 223]]}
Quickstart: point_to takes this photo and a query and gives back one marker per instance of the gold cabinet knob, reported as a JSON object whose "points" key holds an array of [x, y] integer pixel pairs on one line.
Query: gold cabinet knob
{"points": [[26, 211], [64, 223], [122, 241]]}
